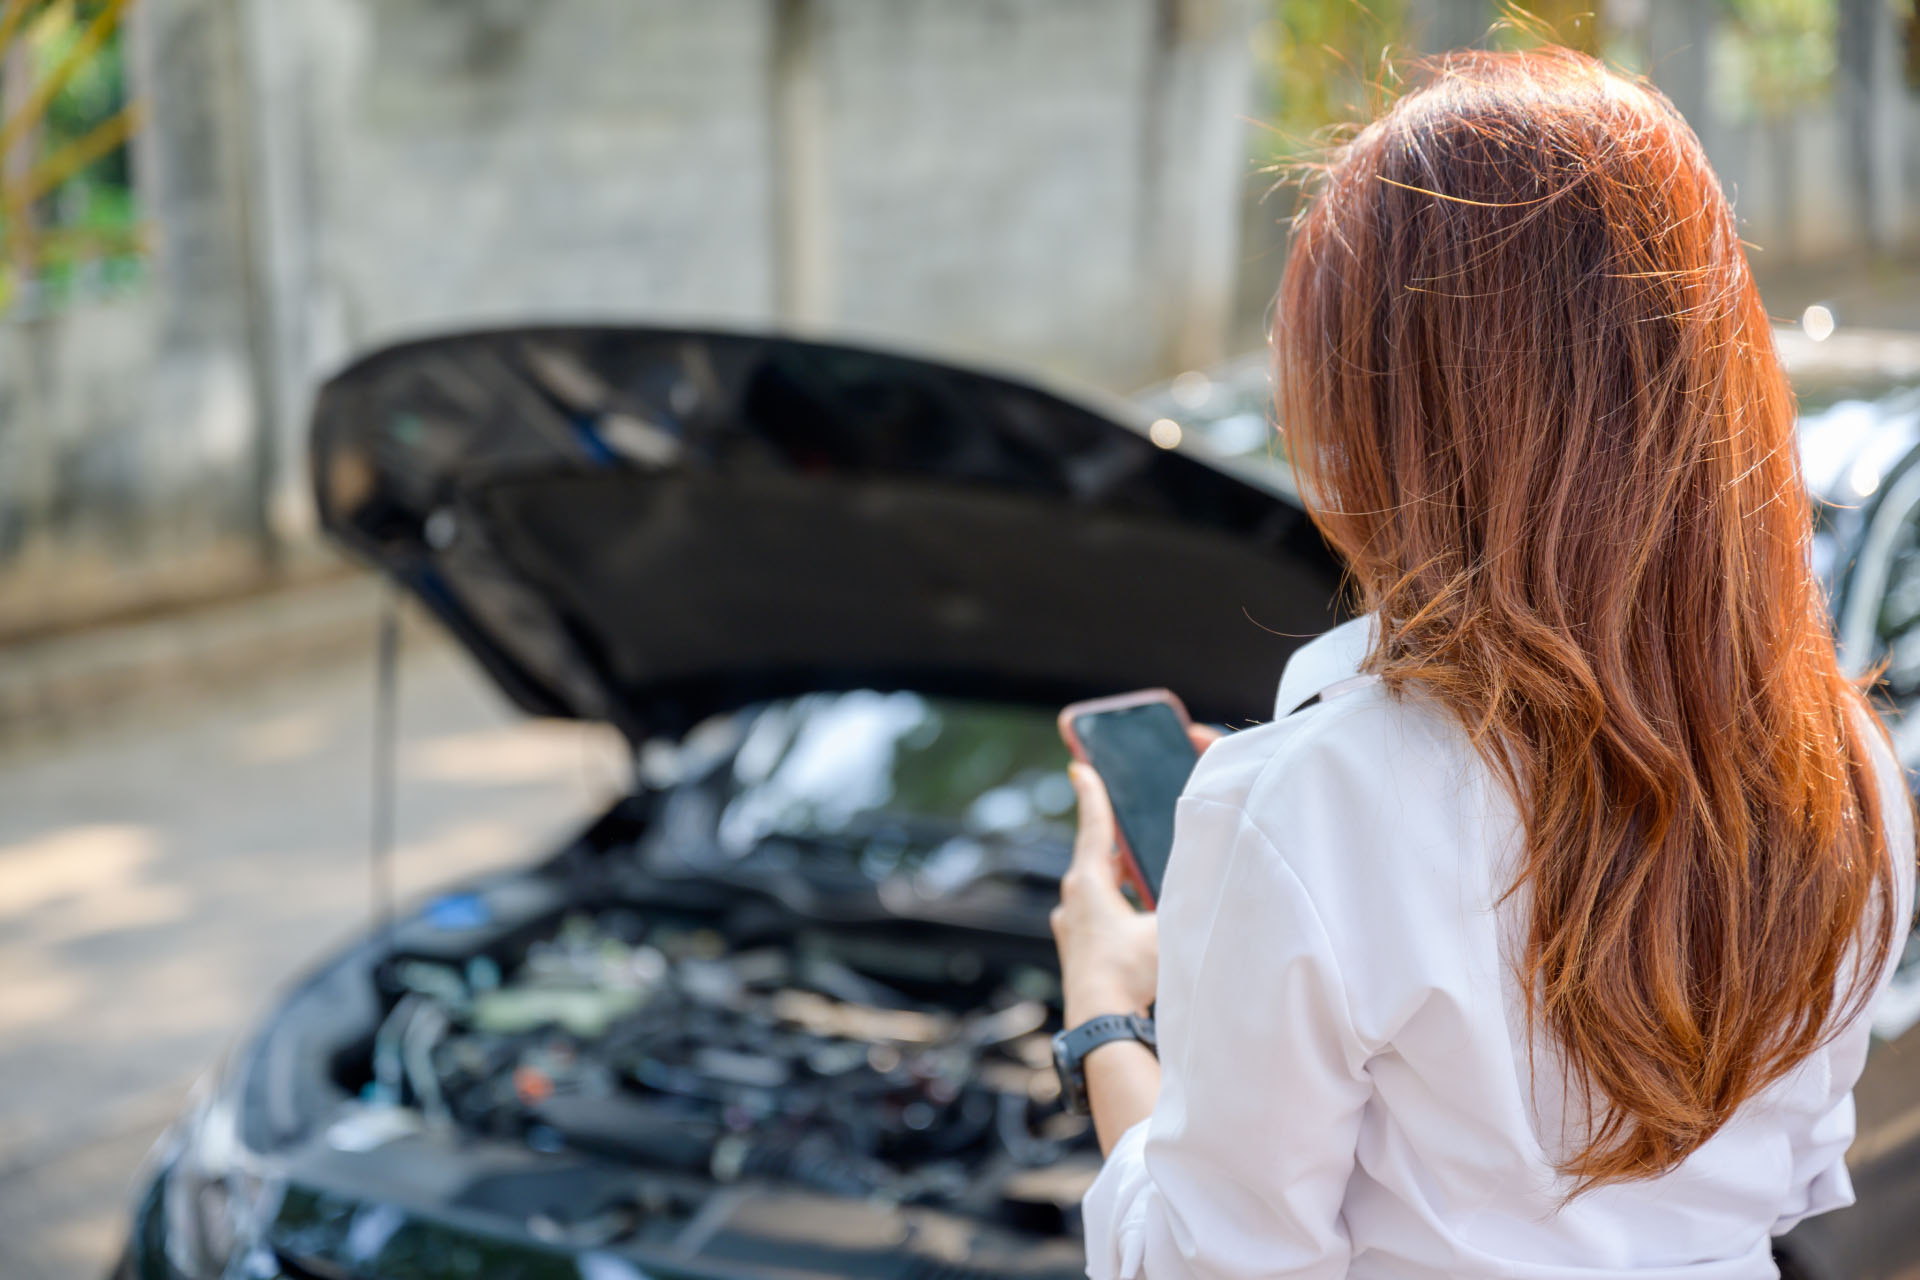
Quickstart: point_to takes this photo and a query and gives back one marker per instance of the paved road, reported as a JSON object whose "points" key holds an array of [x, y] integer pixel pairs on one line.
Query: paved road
{"points": [[161, 880]]}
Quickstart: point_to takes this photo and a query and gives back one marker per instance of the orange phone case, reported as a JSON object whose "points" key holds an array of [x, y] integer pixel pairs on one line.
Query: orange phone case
{"points": [[1129, 865]]}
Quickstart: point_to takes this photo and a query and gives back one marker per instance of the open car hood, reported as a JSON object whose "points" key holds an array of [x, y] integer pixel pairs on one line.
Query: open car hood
{"points": [[648, 526]]}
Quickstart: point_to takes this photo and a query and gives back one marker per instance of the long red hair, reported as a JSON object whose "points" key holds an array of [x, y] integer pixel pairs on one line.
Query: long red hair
{"points": [[1527, 384]]}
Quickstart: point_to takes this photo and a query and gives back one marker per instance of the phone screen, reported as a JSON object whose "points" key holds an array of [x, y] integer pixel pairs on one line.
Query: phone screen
{"points": [[1144, 756]]}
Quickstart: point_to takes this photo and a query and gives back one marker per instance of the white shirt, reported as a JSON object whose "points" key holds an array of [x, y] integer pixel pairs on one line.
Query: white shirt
{"points": [[1345, 1084]]}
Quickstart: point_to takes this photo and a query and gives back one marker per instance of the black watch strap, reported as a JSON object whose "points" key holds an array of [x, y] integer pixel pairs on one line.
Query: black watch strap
{"points": [[1071, 1047]]}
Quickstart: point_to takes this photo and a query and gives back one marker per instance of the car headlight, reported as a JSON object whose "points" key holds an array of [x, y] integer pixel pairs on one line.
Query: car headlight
{"points": [[218, 1201]]}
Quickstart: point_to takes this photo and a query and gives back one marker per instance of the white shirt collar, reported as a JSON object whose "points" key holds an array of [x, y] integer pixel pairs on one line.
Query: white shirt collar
{"points": [[1325, 660]]}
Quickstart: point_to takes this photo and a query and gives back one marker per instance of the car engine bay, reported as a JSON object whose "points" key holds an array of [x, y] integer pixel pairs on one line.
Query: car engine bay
{"points": [[850, 1066], [702, 1059], [740, 1025]]}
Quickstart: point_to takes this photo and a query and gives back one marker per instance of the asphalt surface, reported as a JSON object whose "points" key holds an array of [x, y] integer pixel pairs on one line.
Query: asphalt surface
{"points": [[162, 879]]}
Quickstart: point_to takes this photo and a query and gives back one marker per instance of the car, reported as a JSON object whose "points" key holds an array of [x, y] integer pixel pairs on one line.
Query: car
{"points": [[783, 1009]]}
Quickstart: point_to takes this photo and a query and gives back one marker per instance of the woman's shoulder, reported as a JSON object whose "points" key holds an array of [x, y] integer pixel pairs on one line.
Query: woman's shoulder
{"points": [[1368, 795], [1361, 744]]}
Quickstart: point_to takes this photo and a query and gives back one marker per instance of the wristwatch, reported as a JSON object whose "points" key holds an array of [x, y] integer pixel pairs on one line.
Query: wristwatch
{"points": [[1071, 1047]]}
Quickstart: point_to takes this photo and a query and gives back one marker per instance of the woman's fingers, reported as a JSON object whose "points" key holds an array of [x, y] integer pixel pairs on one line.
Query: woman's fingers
{"points": [[1093, 844], [1204, 736]]}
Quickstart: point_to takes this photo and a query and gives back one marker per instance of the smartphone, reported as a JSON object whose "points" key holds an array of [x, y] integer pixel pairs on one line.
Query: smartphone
{"points": [[1138, 744]]}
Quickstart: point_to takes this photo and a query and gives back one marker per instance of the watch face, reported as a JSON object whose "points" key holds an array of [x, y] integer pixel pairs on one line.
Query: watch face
{"points": [[1073, 1089]]}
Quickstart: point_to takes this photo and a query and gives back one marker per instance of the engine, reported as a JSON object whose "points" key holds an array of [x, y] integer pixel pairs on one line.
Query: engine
{"points": [[880, 1062]]}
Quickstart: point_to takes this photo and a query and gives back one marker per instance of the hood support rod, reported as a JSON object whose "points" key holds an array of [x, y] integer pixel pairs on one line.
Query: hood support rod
{"points": [[386, 718]]}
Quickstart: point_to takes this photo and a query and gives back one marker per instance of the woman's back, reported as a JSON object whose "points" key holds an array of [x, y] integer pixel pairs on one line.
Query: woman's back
{"points": [[1351, 1084]]}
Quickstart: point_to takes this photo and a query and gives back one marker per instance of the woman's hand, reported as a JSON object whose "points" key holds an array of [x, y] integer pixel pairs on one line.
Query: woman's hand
{"points": [[1109, 952]]}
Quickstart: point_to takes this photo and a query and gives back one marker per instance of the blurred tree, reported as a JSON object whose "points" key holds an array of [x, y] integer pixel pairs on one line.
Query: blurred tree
{"points": [[67, 212], [1910, 30], [1774, 56], [1330, 62], [1336, 61], [1577, 24]]}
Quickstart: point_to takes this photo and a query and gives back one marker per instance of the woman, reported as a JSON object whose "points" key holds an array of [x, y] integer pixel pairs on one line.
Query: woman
{"points": [[1538, 942]]}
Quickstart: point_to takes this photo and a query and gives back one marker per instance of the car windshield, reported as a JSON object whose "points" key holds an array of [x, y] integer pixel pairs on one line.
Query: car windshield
{"points": [[902, 782]]}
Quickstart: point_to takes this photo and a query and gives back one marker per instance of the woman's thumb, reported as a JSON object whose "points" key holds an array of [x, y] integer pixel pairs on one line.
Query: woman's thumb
{"points": [[1093, 846]]}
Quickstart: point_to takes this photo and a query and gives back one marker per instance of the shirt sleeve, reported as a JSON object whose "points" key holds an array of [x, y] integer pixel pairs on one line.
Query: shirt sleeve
{"points": [[1820, 1178], [1242, 1168]]}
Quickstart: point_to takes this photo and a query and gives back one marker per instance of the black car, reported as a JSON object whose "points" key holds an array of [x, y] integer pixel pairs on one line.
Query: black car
{"points": [[783, 1010]]}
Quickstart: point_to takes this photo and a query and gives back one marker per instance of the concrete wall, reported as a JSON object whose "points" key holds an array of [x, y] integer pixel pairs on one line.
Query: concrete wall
{"points": [[1048, 185]]}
